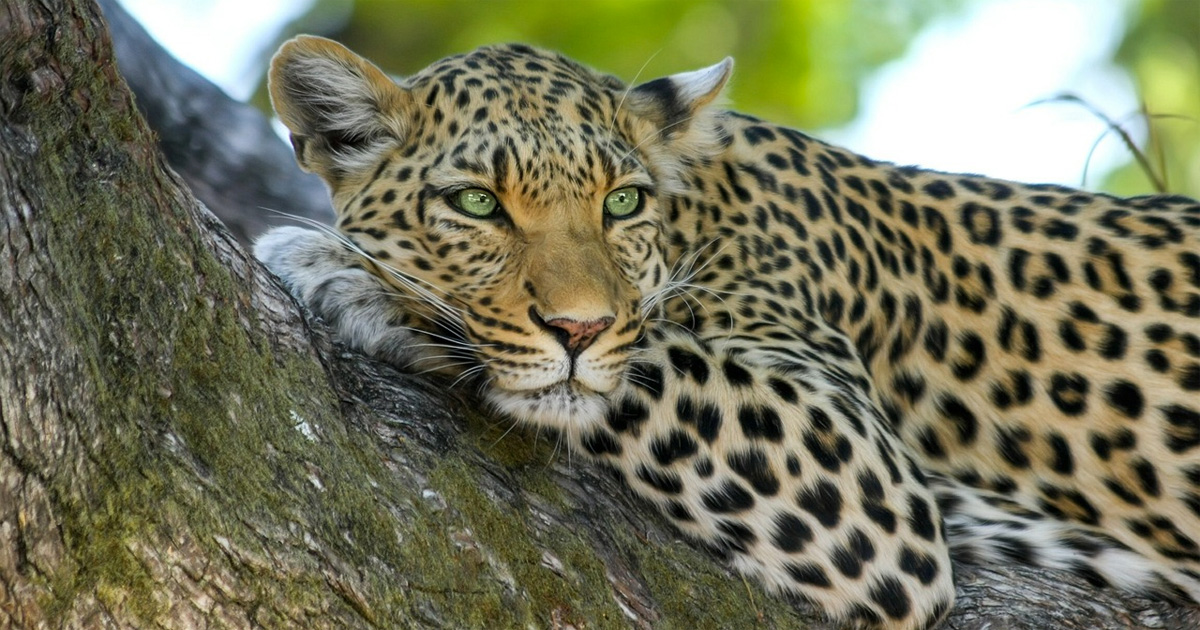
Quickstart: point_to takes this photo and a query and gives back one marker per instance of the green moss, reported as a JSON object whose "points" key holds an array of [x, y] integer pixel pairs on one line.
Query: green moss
{"points": [[167, 342], [692, 592], [580, 594], [503, 442], [102, 565]]}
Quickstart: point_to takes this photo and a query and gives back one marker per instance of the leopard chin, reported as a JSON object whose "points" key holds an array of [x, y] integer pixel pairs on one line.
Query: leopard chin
{"points": [[565, 406]]}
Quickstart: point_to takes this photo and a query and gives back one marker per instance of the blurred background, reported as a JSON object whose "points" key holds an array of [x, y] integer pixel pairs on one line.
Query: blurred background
{"points": [[1032, 90]]}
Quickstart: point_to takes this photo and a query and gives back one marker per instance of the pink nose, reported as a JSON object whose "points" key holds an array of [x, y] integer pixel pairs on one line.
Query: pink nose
{"points": [[575, 335]]}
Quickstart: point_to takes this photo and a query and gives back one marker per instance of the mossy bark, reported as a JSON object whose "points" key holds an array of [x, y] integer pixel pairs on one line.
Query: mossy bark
{"points": [[179, 449]]}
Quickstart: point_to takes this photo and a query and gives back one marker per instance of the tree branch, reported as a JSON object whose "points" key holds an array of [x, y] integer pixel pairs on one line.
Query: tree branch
{"points": [[225, 150]]}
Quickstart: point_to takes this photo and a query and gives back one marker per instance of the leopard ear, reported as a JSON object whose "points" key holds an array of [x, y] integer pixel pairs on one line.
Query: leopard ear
{"points": [[673, 103], [342, 111]]}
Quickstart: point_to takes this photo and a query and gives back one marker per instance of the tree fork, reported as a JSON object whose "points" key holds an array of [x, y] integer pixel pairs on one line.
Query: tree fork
{"points": [[179, 449]]}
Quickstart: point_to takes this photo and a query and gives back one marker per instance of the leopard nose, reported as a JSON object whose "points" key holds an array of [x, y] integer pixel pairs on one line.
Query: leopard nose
{"points": [[574, 334]]}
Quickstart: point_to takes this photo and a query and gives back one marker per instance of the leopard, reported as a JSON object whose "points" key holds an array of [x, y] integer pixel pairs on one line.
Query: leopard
{"points": [[841, 374]]}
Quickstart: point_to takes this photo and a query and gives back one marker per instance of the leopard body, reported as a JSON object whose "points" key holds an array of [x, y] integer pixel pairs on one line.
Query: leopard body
{"points": [[839, 371]]}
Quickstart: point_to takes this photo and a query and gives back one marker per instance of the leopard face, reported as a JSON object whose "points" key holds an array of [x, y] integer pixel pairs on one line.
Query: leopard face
{"points": [[512, 196]]}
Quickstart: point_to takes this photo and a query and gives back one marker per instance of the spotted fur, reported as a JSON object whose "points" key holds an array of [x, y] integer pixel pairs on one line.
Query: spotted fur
{"points": [[838, 371]]}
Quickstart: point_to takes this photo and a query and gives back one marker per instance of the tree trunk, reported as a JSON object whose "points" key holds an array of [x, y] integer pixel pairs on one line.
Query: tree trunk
{"points": [[179, 449]]}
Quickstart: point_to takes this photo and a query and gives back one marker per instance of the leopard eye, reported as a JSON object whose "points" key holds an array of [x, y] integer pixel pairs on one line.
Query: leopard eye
{"points": [[623, 202], [476, 202]]}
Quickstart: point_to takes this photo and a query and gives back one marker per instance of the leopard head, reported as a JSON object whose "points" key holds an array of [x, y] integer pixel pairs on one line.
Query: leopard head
{"points": [[512, 198]]}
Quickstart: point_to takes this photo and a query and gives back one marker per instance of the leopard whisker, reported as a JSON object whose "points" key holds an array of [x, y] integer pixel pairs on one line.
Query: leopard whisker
{"points": [[467, 374], [629, 88], [448, 341], [655, 136], [683, 271], [411, 283], [512, 425]]}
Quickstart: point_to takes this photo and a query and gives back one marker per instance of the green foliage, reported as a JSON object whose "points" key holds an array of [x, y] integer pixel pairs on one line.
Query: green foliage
{"points": [[799, 62], [1161, 50]]}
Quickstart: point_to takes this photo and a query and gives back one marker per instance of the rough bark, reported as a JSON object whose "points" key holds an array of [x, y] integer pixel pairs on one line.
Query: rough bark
{"points": [[179, 449]]}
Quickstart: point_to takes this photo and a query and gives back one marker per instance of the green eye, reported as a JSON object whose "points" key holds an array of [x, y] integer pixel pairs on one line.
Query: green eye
{"points": [[474, 201], [623, 202]]}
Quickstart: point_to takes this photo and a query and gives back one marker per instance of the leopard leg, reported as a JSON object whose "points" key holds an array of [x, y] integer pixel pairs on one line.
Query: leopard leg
{"points": [[782, 460], [335, 283], [985, 527]]}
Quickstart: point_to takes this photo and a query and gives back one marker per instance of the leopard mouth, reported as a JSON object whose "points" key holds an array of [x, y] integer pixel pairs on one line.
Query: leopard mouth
{"points": [[566, 405]]}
